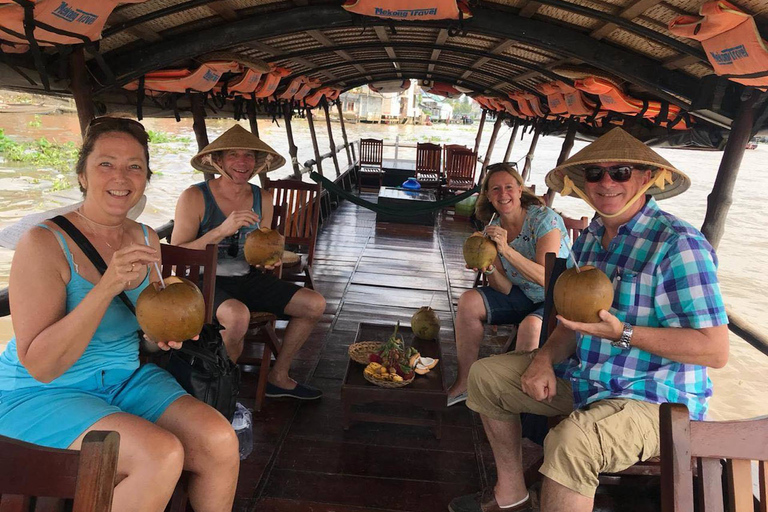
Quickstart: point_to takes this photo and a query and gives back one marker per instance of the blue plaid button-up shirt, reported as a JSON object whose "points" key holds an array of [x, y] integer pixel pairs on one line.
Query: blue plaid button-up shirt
{"points": [[664, 274]]}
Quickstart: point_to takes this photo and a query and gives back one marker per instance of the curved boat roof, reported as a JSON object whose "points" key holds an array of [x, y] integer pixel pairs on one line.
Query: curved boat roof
{"points": [[507, 46]]}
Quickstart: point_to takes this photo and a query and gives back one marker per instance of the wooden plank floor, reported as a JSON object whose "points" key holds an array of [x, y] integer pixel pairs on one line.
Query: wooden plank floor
{"points": [[303, 460]]}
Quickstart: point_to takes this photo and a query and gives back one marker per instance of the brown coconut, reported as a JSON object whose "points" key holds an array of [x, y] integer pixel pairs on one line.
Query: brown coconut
{"points": [[264, 247], [173, 313], [479, 252], [425, 323], [579, 296]]}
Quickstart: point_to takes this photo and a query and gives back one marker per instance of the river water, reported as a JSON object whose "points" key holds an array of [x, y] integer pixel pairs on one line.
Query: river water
{"points": [[741, 388]]}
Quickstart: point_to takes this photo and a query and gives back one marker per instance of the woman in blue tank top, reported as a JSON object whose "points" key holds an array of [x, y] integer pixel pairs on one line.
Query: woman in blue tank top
{"points": [[73, 365]]}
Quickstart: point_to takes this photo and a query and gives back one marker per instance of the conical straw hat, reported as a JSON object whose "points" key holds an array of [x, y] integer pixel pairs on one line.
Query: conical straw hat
{"points": [[237, 137], [617, 146]]}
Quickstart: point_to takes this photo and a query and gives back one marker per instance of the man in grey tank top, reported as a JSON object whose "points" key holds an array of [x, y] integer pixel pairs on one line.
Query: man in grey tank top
{"points": [[222, 211]]}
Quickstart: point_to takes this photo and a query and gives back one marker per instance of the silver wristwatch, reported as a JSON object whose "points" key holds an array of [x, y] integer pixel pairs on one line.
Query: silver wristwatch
{"points": [[625, 342]]}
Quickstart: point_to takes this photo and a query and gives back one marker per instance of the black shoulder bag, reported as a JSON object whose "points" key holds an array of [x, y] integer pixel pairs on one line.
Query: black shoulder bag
{"points": [[202, 367]]}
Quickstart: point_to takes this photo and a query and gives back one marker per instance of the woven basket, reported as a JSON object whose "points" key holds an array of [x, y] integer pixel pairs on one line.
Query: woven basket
{"points": [[360, 351], [386, 383]]}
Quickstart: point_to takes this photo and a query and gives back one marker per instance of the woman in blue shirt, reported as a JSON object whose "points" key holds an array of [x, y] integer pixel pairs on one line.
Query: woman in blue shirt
{"points": [[73, 365], [524, 230]]}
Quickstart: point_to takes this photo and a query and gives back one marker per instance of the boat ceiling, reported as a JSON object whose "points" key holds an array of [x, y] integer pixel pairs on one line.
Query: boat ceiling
{"points": [[507, 46]]}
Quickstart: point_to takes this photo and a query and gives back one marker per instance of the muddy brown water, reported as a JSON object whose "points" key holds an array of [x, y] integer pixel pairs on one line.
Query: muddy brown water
{"points": [[741, 388]]}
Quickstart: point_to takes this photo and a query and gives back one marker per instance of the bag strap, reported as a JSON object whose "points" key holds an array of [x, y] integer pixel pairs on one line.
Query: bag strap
{"points": [[90, 252]]}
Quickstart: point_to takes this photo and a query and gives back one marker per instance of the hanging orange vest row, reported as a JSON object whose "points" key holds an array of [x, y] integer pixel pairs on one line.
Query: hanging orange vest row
{"points": [[614, 99], [203, 79], [83, 17], [410, 10], [731, 40], [329, 92], [308, 86]]}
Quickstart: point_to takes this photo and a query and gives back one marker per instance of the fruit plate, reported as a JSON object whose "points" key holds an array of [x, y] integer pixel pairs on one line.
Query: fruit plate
{"points": [[387, 383], [359, 352]]}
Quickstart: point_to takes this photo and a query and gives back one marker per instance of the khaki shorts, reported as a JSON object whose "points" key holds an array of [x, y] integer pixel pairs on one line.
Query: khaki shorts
{"points": [[604, 437]]}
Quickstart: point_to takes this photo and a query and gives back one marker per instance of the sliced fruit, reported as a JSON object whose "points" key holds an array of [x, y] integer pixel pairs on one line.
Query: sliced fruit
{"points": [[428, 362], [414, 359], [421, 369]]}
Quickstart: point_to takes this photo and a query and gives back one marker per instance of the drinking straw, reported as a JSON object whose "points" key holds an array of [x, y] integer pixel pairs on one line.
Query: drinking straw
{"points": [[489, 222], [570, 253], [157, 268]]}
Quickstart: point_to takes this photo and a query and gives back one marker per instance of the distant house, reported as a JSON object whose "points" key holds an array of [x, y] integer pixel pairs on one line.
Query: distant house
{"points": [[436, 107]]}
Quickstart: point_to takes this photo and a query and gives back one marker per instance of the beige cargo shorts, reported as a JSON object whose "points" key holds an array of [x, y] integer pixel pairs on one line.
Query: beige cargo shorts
{"points": [[605, 437]]}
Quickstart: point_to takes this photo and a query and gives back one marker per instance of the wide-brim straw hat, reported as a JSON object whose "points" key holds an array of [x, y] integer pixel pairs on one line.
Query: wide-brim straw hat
{"points": [[617, 146], [237, 137]]}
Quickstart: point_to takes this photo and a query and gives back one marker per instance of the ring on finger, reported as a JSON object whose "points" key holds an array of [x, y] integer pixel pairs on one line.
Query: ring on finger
{"points": [[132, 265]]}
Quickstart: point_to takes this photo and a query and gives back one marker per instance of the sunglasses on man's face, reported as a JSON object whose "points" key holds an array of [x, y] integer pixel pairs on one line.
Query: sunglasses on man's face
{"points": [[618, 173]]}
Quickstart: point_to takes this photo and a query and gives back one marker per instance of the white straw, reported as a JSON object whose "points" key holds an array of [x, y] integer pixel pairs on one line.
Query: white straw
{"points": [[157, 268], [570, 253], [489, 222]]}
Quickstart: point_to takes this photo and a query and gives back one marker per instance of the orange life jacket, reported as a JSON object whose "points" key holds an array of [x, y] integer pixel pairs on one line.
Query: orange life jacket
{"points": [[522, 104], [203, 79], [613, 98], [293, 88], [387, 86], [443, 89], [534, 102], [83, 17], [555, 98], [329, 92], [731, 40], [269, 82], [509, 108], [306, 88], [410, 9], [576, 103], [243, 85]]}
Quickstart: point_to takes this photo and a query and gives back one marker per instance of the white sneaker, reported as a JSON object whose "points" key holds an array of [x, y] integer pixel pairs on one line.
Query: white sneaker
{"points": [[453, 400]]}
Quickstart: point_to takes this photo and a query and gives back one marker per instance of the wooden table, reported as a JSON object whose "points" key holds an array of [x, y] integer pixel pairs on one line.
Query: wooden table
{"points": [[427, 392]]}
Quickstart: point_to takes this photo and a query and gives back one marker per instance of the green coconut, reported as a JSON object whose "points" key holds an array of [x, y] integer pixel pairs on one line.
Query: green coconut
{"points": [[579, 296], [264, 247], [425, 323], [479, 252]]}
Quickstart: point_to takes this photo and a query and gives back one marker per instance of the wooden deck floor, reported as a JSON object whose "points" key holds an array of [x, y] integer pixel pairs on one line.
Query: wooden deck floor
{"points": [[303, 460]]}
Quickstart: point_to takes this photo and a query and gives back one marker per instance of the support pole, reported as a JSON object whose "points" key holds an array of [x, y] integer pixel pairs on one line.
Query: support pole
{"points": [[565, 152], [313, 135], [491, 143], [198, 125], [720, 199], [250, 108], [511, 144], [330, 138], [292, 149], [81, 89], [529, 157], [344, 133], [480, 130]]}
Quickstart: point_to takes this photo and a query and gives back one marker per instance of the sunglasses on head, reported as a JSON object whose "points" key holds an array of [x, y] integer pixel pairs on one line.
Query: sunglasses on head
{"points": [[123, 122], [618, 173]]}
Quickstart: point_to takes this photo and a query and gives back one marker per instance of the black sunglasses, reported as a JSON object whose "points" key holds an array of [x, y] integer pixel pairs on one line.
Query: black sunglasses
{"points": [[618, 173], [123, 122]]}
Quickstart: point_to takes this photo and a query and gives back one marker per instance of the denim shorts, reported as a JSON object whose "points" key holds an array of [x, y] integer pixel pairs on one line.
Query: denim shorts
{"points": [[508, 309], [56, 416]]}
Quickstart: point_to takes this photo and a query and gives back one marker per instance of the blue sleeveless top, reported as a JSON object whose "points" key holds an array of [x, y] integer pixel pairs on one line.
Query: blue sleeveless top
{"points": [[231, 256], [115, 344]]}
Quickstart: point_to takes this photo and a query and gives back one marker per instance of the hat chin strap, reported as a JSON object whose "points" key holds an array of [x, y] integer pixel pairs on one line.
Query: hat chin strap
{"points": [[660, 179]]}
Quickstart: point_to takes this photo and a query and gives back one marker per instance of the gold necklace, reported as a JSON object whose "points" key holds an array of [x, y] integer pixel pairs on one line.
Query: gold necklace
{"points": [[105, 226]]}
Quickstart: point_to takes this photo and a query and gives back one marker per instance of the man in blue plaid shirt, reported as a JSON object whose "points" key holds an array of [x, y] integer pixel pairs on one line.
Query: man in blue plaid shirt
{"points": [[667, 324]]}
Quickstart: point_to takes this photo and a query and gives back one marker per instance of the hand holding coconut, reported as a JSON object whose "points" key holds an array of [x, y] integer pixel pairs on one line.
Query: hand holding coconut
{"points": [[264, 248], [170, 315], [479, 252]]}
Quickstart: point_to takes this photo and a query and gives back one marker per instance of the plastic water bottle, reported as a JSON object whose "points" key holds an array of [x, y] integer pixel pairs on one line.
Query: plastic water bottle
{"points": [[243, 425]]}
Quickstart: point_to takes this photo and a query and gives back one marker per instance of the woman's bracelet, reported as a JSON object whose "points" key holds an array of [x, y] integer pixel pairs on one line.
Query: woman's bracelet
{"points": [[490, 270]]}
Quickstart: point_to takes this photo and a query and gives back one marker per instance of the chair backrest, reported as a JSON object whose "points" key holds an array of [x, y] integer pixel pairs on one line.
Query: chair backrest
{"points": [[575, 226], [463, 165], [190, 263], [371, 152], [553, 267], [712, 445], [297, 212], [34, 477], [428, 157], [448, 150]]}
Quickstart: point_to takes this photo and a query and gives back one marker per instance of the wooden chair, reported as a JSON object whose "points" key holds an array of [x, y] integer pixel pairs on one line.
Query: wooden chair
{"points": [[448, 150], [706, 447], [296, 216], [190, 263], [460, 174], [371, 162], [34, 478], [575, 226], [428, 165]]}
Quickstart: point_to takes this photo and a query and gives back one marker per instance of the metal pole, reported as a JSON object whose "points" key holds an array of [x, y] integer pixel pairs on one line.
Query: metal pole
{"points": [[491, 143], [330, 138], [531, 150], [198, 126], [480, 131], [565, 152], [720, 199], [81, 89], [250, 108], [292, 149], [511, 144], [313, 135]]}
